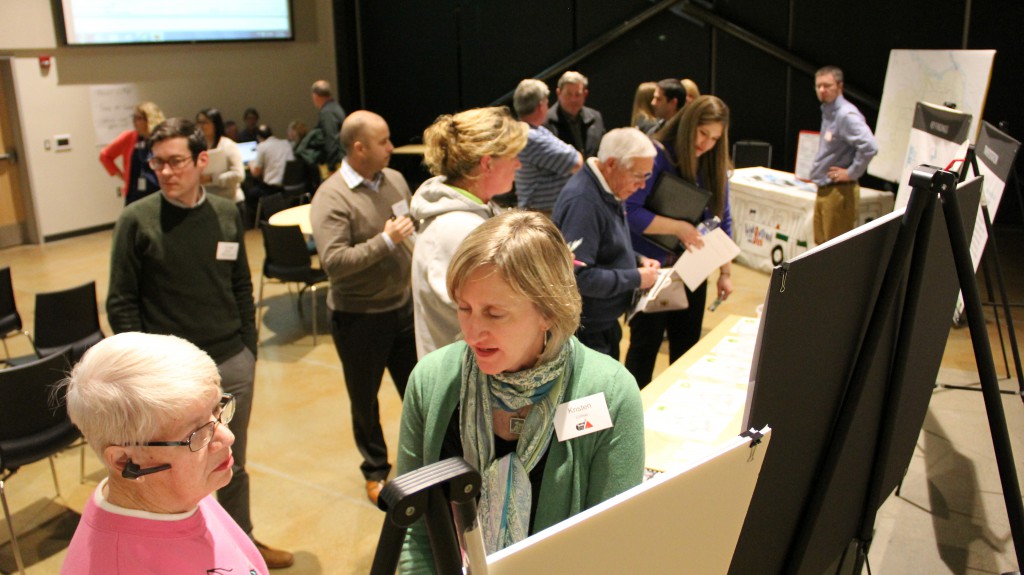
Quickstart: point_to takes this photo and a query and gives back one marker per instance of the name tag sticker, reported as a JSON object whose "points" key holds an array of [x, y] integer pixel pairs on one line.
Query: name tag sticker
{"points": [[227, 251], [141, 184], [582, 416], [828, 136], [400, 208]]}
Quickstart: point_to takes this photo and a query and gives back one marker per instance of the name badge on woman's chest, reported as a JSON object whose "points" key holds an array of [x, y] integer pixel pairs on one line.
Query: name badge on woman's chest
{"points": [[582, 416]]}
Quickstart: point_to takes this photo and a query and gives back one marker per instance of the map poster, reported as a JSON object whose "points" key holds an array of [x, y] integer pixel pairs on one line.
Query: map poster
{"points": [[938, 137], [957, 76]]}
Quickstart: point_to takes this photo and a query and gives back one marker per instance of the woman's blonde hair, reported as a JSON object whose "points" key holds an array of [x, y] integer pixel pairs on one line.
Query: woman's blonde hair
{"points": [[529, 254], [300, 128], [692, 91], [712, 167], [130, 386], [152, 113], [642, 108], [456, 143]]}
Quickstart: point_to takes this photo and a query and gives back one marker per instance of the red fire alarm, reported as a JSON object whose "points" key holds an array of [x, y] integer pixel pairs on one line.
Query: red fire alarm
{"points": [[44, 62]]}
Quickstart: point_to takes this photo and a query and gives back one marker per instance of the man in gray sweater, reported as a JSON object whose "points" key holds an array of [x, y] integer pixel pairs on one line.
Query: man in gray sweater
{"points": [[178, 267], [361, 225]]}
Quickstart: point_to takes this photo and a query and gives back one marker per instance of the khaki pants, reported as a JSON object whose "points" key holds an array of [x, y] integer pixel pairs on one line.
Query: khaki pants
{"points": [[835, 210]]}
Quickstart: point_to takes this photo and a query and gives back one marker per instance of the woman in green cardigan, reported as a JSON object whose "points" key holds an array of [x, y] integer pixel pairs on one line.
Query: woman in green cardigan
{"points": [[492, 398]]}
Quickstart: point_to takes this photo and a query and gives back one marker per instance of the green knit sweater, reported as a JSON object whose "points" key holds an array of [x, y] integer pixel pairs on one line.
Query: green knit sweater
{"points": [[166, 276], [579, 473]]}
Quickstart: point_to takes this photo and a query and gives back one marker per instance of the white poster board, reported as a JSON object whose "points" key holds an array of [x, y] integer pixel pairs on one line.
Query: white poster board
{"points": [[807, 144], [112, 107], [938, 137], [958, 76], [687, 521], [995, 153]]}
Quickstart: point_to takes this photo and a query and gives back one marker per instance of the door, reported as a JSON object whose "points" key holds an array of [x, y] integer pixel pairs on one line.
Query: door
{"points": [[13, 217]]}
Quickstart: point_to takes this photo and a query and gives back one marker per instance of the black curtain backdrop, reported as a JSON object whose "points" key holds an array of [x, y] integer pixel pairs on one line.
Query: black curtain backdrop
{"points": [[422, 59]]}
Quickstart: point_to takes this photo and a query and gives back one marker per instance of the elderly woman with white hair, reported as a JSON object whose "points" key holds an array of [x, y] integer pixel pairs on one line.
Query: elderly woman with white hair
{"points": [[152, 408], [493, 397]]}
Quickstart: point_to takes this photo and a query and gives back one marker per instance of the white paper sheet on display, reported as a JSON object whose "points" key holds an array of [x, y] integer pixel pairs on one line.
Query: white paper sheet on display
{"points": [[959, 76], [112, 107]]}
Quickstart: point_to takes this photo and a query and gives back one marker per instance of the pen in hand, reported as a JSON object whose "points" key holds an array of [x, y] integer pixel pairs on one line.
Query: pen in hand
{"points": [[714, 305]]}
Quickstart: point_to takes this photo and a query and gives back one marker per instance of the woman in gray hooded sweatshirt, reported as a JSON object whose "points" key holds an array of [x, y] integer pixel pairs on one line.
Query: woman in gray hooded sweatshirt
{"points": [[473, 156]]}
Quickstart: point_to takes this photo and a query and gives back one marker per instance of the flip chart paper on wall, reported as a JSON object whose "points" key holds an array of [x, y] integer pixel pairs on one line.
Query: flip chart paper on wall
{"points": [[112, 107]]}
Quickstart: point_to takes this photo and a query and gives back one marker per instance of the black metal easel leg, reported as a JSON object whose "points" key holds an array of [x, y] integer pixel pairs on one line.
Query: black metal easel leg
{"points": [[1011, 333], [921, 203], [916, 284], [986, 370], [991, 254]]}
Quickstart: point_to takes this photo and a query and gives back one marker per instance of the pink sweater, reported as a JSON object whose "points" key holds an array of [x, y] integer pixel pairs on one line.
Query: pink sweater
{"points": [[208, 541]]}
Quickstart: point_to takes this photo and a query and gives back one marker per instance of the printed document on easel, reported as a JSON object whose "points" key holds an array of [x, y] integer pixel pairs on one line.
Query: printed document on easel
{"points": [[694, 266]]}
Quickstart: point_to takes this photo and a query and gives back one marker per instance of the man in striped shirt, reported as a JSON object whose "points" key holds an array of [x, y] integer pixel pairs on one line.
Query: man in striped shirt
{"points": [[548, 162]]}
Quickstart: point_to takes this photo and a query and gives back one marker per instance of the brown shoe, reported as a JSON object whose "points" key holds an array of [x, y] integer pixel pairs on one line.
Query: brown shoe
{"points": [[275, 558], [373, 489]]}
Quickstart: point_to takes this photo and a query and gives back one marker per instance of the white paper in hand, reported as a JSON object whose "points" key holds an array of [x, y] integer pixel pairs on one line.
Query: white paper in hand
{"points": [[694, 266]]}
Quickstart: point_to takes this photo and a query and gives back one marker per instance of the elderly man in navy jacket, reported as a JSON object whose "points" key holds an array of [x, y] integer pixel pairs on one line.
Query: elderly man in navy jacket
{"points": [[590, 213]]}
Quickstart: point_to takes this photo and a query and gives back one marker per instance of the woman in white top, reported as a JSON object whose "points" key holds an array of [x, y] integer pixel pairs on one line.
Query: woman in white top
{"points": [[223, 180]]}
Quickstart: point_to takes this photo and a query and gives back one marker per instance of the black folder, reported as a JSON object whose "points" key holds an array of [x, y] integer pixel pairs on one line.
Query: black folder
{"points": [[676, 198]]}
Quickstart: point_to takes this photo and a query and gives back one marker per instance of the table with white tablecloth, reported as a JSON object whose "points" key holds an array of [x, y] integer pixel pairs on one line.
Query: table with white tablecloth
{"points": [[773, 215]]}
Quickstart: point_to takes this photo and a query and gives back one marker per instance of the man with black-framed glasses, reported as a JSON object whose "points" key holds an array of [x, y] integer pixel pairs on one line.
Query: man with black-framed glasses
{"points": [[178, 266]]}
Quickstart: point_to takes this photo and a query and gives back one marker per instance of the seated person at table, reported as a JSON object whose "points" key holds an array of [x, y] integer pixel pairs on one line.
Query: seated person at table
{"points": [[272, 155], [492, 398], [152, 408]]}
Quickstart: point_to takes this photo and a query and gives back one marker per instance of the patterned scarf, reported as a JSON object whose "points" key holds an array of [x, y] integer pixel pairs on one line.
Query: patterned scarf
{"points": [[506, 494]]}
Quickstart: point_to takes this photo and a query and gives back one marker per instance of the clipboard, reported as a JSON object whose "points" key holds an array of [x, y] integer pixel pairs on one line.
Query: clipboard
{"points": [[676, 198], [217, 164]]}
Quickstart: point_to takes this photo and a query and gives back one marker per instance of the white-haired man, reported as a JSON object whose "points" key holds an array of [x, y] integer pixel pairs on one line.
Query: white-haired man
{"points": [[571, 120], [547, 162], [590, 211]]}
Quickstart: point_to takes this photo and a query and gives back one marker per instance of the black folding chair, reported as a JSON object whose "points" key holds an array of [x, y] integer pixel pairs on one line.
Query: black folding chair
{"points": [[288, 260], [67, 318], [33, 426], [10, 319]]}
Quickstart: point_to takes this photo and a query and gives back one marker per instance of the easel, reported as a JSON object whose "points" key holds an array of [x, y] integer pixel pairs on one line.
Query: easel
{"points": [[992, 253], [438, 492], [911, 245]]}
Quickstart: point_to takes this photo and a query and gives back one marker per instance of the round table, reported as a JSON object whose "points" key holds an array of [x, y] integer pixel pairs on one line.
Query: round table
{"points": [[299, 215]]}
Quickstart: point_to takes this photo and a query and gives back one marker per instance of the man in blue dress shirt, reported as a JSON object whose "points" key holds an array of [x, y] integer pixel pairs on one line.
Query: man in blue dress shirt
{"points": [[846, 146]]}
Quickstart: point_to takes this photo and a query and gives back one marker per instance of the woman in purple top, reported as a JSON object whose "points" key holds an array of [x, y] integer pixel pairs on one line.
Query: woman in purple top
{"points": [[694, 145]]}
